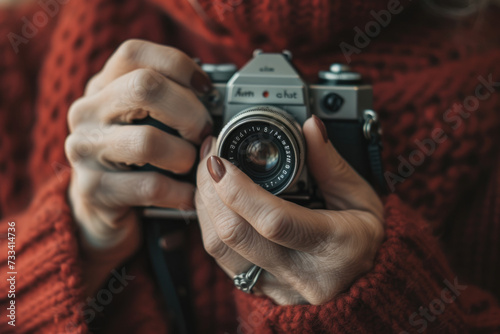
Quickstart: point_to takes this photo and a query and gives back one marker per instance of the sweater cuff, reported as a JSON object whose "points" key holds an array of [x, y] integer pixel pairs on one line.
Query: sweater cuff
{"points": [[410, 289], [47, 287]]}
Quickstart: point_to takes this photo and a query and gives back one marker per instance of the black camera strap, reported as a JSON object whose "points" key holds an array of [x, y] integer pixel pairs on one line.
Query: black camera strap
{"points": [[170, 265], [376, 166], [171, 270], [373, 135]]}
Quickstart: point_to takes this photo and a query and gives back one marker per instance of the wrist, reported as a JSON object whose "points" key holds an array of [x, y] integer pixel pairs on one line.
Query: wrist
{"points": [[101, 254], [105, 245]]}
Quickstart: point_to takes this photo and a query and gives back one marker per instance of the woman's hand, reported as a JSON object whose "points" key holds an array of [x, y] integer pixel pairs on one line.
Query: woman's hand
{"points": [[308, 256], [140, 79]]}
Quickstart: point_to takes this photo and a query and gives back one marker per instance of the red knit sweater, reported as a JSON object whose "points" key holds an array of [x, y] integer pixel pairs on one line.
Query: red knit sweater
{"points": [[438, 268]]}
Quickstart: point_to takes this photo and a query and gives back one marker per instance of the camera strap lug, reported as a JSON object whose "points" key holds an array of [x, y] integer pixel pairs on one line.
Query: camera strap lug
{"points": [[371, 126], [373, 134]]}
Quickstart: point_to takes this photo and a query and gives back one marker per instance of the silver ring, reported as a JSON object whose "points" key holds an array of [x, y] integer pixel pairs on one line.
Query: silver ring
{"points": [[247, 280]]}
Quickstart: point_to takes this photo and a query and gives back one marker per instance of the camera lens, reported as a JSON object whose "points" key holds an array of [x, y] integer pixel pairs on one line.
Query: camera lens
{"points": [[266, 144], [263, 155]]}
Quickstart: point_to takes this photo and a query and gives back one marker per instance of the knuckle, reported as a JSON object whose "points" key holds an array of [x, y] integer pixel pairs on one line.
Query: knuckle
{"points": [[77, 147], [214, 247], [130, 50], [75, 113], [274, 224], [144, 86], [69, 148], [143, 144], [151, 188], [231, 232]]}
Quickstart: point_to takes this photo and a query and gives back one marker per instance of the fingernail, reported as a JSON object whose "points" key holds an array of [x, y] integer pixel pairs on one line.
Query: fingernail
{"points": [[321, 127], [205, 147], [207, 131], [201, 82], [216, 168]]}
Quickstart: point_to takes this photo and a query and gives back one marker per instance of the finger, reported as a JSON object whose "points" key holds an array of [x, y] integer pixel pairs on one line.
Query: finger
{"points": [[126, 189], [231, 229], [143, 93], [275, 219], [117, 147], [341, 186], [228, 259], [170, 62], [140, 145]]}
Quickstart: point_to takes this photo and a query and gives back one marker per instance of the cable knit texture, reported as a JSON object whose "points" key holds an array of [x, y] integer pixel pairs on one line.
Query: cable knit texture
{"points": [[442, 221]]}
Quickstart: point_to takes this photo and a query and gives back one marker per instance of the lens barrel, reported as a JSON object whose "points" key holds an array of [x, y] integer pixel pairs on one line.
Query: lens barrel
{"points": [[266, 143]]}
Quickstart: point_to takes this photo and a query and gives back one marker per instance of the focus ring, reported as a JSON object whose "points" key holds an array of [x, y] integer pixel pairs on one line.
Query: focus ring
{"points": [[276, 118]]}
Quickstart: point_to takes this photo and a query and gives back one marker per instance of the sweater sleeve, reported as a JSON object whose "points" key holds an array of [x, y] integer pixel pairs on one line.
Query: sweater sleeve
{"points": [[43, 279], [411, 289], [43, 275]]}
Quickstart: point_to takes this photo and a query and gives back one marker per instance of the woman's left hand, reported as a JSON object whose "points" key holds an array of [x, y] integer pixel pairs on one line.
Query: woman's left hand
{"points": [[308, 256]]}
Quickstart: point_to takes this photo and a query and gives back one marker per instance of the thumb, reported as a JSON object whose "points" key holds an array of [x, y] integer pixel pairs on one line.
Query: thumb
{"points": [[340, 185]]}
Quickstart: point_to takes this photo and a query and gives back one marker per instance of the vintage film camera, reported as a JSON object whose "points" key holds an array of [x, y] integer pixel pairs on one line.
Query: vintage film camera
{"points": [[258, 113]]}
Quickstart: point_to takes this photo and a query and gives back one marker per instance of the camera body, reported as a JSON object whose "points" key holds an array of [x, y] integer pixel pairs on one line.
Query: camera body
{"points": [[259, 111], [269, 83]]}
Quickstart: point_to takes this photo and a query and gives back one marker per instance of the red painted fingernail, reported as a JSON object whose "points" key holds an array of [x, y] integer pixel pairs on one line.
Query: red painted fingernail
{"points": [[207, 131], [216, 168], [321, 126], [205, 147], [201, 82]]}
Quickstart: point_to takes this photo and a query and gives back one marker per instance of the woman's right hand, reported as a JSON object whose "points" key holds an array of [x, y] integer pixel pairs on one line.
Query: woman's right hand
{"points": [[140, 79]]}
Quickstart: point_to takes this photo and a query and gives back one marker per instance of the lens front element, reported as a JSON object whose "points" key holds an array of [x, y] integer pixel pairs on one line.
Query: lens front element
{"points": [[262, 154], [266, 144]]}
